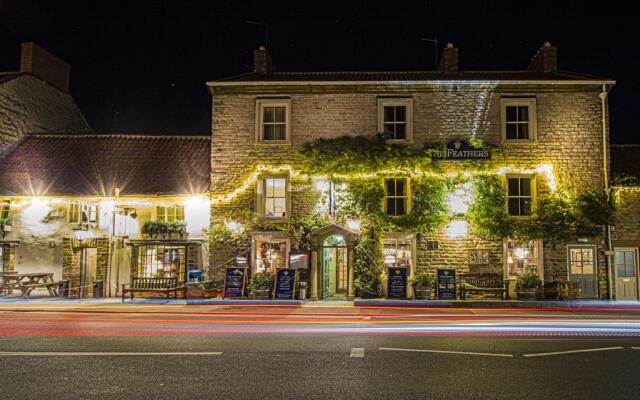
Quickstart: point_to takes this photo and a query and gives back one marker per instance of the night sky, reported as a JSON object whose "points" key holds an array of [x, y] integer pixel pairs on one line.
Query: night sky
{"points": [[141, 66]]}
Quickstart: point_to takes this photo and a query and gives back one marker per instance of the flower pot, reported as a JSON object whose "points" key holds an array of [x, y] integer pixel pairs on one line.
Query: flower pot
{"points": [[527, 294], [261, 294], [6, 228], [421, 293]]}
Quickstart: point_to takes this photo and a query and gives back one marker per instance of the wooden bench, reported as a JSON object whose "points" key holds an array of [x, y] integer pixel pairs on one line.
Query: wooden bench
{"points": [[483, 283], [152, 285]]}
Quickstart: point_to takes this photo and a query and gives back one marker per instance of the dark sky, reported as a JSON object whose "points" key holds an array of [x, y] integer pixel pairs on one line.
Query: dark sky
{"points": [[141, 66]]}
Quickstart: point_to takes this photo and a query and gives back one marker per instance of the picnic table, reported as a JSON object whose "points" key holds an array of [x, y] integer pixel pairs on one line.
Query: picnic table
{"points": [[26, 283]]}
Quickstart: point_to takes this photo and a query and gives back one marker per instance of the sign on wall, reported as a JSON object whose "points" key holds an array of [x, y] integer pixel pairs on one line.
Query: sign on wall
{"points": [[461, 150], [446, 284]]}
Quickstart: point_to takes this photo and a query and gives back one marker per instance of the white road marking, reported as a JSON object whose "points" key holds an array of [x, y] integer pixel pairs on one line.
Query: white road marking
{"points": [[556, 353], [100, 353], [636, 348], [357, 352], [447, 352]]}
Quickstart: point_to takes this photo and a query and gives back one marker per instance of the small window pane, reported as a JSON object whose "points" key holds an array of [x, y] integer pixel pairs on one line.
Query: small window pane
{"points": [[523, 131], [401, 113], [514, 207], [525, 206], [512, 113], [268, 132], [525, 187], [523, 113], [391, 206], [400, 207], [401, 132], [389, 114], [513, 186], [512, 131], [280, 132], [391, 187], [399, 187]]}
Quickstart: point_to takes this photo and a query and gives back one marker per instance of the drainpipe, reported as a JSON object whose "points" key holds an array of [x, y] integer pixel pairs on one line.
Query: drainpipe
{"points": [[607, 189]]}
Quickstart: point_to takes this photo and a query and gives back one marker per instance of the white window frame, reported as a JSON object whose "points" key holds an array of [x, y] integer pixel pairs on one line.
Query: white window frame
{"points": [[397, 102], [5, 208], [591, 247], [505, 257], [165, 216], [533, 126], [407, 195], [83, 206], [533, 193], [259, 128], [271, 237], [261, 197], [402, 237]]}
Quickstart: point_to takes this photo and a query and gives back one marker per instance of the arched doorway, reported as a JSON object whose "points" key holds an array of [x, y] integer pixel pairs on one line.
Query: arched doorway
{"points": [[332, 256], [335, 266]]}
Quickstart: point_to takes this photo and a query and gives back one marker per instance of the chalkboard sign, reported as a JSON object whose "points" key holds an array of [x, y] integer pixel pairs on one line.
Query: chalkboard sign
{"points": [[234, 282], [397, 283], [446, 284], [285, 284]]}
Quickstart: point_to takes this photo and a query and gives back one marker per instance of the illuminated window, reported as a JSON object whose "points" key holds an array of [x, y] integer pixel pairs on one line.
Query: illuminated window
{"points": [[273, 120], [396, 199], [4, 208], [170, 213], [581, 260], [522, 257], [274, 201], [519, 195], [1, 258], [83, 212], [395, 118], [397, 253], [271, 254], [161, 262], [518, 119]]}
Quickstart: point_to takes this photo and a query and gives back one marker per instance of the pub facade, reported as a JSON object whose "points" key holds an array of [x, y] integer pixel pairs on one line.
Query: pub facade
{"points": [[438, 149]]}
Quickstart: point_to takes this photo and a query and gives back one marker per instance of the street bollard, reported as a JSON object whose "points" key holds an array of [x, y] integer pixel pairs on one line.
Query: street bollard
{"points": [[63, 288], [98, 289]]}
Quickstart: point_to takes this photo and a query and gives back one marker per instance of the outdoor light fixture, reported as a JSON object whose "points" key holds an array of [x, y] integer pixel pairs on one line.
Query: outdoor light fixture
{"points": [[353, 224], [234, 226], [459, 199], [457, 229], [322, 184]]}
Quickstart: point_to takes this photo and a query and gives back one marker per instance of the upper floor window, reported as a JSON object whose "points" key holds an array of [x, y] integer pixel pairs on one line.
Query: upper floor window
{"points": [[395, 118], [80, 212], [519, 195], [273, 120], [396, 199], [4, 208], [518, 119], [273, 197], [170, 213]]}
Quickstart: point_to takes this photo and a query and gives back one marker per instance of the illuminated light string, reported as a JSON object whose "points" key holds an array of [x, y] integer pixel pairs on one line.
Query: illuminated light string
{"points": [[545, 169]]}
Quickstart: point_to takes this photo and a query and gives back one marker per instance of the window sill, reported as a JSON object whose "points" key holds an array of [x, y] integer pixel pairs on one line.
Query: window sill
{"points": [[400, 141], [519, 141], [273, 142], [274, 220]]}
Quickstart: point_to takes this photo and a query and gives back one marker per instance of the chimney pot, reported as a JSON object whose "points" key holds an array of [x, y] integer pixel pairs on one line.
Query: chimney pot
{"points": [[545, 60], [449, 59], [262, 62]]}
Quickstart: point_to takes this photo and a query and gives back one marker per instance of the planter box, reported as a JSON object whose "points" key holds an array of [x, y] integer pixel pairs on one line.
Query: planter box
{"points": [[261, 294], [166, 236], [6, 228], [422, 293], [527, 294]]}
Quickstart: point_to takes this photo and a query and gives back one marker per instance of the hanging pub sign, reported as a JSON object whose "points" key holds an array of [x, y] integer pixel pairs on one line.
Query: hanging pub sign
{"points": [[461, 150], [397, 283], [446, 284], [234, 281], [285, 284]]}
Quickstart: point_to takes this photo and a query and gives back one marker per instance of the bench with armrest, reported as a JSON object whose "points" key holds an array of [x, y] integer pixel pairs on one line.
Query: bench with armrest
{"points": [[482, 283], [153, 285]]}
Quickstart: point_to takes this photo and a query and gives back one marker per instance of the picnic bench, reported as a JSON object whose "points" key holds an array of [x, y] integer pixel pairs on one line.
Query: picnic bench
{"points": [[152, 285], [26, 283], [486, 282]]}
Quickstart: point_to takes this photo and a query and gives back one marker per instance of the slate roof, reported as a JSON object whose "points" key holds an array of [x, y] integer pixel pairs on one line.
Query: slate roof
{"points": [[96, 164], [7, 76], [625, 164], [397, 76]]}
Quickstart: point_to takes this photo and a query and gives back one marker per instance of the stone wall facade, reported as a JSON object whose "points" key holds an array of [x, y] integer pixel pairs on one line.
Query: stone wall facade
{"points": [[569, 139], [31, 105]]}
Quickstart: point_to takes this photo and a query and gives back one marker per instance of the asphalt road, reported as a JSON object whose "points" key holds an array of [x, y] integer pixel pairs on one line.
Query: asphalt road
{"points": [[318, 353]]}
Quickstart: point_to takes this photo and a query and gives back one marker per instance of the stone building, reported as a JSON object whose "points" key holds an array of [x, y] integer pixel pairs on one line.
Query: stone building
{"points": [[36, 98], [625, 236], [78, 206], [551, 127]]}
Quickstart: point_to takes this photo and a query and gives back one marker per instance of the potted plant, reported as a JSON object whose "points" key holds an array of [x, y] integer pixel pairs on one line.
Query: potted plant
{"points": [[422, 283], [177, 230], [261, 284], [526, 286], [165, 230], [5, 226]]}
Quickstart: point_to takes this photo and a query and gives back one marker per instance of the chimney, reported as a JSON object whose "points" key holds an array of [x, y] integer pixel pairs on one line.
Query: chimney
{"points": [[44, 65], [262, 62], [545, 60], [449, 60]]}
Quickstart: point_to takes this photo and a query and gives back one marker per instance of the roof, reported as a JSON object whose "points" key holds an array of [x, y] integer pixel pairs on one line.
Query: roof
{"points": [[7, 76], [96, 164], [409, 76], [625, 164]]}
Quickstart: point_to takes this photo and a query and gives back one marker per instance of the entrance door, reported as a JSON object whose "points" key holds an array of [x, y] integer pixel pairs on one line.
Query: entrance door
{"points": [[88, 266], [626, 275], [583, 269], [334, 266]]}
